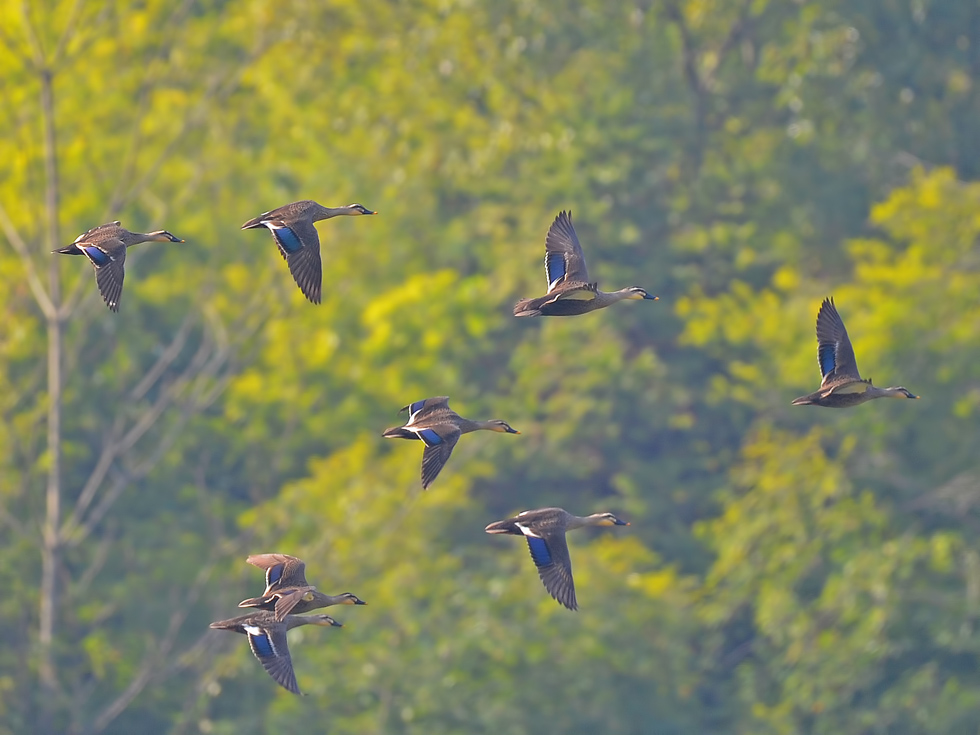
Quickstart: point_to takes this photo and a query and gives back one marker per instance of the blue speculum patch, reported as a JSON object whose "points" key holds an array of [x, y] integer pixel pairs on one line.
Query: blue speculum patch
{"points": [[262, 644], [287, 239], [430, 437], [555, 265], [275, 573], [539, 551], [827, 359], [96, 256]]}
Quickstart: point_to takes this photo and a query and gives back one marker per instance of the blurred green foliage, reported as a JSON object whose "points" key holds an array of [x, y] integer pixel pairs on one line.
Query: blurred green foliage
{"points": [[787, 570]]}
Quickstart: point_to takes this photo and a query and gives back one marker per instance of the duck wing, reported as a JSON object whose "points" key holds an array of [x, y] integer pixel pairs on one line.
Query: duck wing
{"points": [[439, 441], [421, 409], [281, 570], [564, 261], [269, 646], [299, 244], [834, 351], [281, 601], [549, 551], [108, 257]]}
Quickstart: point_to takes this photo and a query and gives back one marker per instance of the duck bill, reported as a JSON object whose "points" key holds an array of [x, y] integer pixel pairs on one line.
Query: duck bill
{"points": [[166, 237], [254, 602]]}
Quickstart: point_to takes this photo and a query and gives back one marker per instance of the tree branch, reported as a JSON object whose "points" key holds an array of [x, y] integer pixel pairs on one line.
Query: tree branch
{"points": [[164, 361], [70, 26], [33, 41], [149, 668], [33, 280], [119, 442], [25, 58], [694, 81]]}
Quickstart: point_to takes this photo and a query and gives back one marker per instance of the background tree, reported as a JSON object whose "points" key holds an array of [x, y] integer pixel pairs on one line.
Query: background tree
{"points": [[787, 570]]}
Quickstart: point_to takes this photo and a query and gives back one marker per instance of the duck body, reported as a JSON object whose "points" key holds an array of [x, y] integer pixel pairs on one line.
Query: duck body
{"points": [[267, 639], [544, 529], [105, 247], [570, 292], [436, 425], [842, 385], [292, 228], [287, 591]]}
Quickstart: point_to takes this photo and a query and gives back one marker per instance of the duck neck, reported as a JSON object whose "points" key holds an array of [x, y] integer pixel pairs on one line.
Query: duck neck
{"points": [[468, 425], [135, 238], [580, 521], [887, 392], [295, 621], [611, 297], [328, 212]]}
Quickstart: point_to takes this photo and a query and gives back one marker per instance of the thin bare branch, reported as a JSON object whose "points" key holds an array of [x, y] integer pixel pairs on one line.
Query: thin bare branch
{"points": [[694, 81], [33, 41], [198, 655], [81, 530], [94, 481], [14, 48], [15, 526], [219, 88], [146, 421], [118, 445], [91, 28], [76, 296], [164, 361], [71, 26], [200, 386], [33, 280], [150, 666], [95, 566], [164, 50]]}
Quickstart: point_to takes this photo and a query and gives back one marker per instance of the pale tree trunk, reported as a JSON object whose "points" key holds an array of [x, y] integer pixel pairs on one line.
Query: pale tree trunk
{"points": [[50, 536], [162, 401]]}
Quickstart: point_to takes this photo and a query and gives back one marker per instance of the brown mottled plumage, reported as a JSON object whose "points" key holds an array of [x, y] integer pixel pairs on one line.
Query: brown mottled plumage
{"points": [[105, 247], [842, 385], [545, 530], [569, 290], [437, 426], [292, 228]]}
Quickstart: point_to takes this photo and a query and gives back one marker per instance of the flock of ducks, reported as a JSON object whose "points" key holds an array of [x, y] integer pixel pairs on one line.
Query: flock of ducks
{"points": [[570, 292], [287, 594]]}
